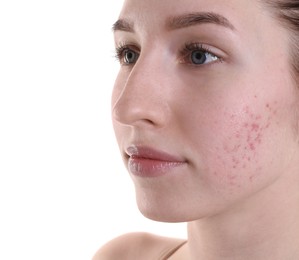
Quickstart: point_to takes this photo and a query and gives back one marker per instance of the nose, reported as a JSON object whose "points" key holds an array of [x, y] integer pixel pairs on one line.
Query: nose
{"points": [[142, 100]]}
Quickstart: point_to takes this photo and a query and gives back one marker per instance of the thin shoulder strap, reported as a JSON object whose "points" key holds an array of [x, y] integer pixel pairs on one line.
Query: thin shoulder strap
{"points": [[175, 249]]}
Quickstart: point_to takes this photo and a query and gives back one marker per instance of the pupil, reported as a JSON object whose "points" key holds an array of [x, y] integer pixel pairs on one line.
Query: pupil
{"points": [[198, 57], [129, 57]]}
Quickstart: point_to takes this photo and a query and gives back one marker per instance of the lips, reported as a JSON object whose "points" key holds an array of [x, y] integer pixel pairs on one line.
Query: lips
{"points": [[148, 162]]}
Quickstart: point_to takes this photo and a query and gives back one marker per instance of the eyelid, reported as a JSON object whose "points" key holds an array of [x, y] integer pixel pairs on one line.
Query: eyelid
{"points": [[184, 53]]}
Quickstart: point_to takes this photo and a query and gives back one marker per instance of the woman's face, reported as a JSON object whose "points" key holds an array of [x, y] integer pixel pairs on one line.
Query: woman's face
{"points": [[204, 106]]}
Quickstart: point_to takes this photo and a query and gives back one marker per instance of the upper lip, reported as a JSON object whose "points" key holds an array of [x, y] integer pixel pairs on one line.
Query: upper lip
{"points": [[145, 152]]}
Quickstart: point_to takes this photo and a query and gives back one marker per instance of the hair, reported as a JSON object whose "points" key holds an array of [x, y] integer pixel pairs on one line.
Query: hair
{"points": [[287, 12]]}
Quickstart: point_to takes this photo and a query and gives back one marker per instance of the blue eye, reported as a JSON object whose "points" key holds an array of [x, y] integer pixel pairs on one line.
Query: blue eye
{"points": [[196, 54], [198, 57], [130, 56], [127, 54]]}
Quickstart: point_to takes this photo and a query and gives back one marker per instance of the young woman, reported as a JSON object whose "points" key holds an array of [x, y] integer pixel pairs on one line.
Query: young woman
{"points": [[206, 114]]}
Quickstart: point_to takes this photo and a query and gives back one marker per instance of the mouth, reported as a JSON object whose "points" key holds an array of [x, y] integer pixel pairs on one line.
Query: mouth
{"points": [[149, 162]]}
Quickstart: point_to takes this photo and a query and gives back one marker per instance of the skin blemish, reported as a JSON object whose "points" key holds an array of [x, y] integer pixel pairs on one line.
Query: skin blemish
{"points": [[252, 146], [236, 161], [243, 146], [255, 127]]}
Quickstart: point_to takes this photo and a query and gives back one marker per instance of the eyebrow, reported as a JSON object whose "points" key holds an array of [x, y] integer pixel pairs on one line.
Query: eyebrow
{"points": [[191, 19], [123, 25], [181, 21]]}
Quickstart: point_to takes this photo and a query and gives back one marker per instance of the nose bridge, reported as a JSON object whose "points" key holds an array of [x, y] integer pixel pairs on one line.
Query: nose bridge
{"points": [[143, 99]]}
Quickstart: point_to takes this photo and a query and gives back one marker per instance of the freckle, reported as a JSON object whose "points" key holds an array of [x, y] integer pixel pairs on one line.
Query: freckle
{"points": [[236, 161], [249, 159], [267, 106], [255, 96], [252, 147]]}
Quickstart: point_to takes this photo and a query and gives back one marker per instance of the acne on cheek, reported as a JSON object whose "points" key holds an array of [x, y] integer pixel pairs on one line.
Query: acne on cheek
{"points": [[240, 153]]}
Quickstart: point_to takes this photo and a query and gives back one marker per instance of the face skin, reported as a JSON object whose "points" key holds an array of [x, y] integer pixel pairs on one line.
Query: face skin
{"points": [[232, 121]]}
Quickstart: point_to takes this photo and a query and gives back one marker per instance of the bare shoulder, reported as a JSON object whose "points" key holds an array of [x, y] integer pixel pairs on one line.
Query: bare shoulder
{"points": [[137, 246]]}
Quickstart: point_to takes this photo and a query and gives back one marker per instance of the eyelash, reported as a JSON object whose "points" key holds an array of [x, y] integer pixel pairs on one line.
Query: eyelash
{"points": [[121, 50], [189, 48], [184, 53]]}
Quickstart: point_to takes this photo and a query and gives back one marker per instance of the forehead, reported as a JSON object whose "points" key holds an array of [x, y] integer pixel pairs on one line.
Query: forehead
{"points": [[155, 12]]}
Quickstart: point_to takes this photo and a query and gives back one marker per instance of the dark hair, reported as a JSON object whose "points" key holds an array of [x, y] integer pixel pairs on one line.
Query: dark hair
{"points": [[287, 11]]}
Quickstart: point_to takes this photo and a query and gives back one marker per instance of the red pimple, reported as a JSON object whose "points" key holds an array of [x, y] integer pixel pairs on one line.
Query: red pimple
{"points": [[232, 177], [255, 127]]}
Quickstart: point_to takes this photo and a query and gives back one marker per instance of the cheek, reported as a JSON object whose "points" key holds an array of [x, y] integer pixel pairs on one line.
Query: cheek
{"points": [[236, 156]]}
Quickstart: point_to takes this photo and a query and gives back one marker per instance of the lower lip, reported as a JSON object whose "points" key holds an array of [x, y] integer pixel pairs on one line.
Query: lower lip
{"points": [[144, 167]]}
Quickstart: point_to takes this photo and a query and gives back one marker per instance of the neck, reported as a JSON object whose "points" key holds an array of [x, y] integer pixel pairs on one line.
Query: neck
{"points": [[266, 226]]}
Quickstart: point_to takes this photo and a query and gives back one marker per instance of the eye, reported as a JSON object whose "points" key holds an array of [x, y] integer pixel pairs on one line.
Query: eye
{"points": [[201, 57], [130, 56], [126, 54], [196, 54]]}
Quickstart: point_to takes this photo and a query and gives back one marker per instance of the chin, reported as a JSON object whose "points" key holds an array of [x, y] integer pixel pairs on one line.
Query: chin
{"points": [[162, 215], [158, 209], [164, 210]]}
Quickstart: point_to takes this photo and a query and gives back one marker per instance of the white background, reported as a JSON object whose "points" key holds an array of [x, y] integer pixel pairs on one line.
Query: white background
{"points": [[63, 188]]}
